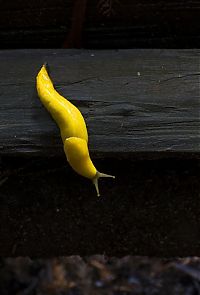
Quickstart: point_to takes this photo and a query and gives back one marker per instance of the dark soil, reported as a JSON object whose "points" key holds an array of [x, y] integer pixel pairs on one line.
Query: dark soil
{"points": [[100, 275], [152, 208]]}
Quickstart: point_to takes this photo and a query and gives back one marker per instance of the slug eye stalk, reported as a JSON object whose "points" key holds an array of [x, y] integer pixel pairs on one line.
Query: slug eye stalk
{"points": [[96, 178]]}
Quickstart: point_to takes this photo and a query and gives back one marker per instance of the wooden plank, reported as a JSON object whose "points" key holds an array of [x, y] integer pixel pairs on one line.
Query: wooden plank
{"points": [[144, 13], [128, 24], [98, 38], [132, 100]]}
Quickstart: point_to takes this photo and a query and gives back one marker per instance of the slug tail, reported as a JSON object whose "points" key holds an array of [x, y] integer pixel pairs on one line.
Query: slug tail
{"points": [[45, 64], [96, 178]]}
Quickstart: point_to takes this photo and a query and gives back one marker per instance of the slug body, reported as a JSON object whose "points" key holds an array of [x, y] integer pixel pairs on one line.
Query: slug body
{"points": [[67, 116], [72, 128], [77, 154]]}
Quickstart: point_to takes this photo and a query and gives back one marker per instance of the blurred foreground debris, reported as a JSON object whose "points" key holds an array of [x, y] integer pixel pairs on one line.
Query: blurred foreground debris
{"points": [[99, 275]]}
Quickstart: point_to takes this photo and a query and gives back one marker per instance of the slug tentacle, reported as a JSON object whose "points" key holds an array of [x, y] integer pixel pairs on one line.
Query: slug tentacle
{"points": [[72, 128], [96, 178]]}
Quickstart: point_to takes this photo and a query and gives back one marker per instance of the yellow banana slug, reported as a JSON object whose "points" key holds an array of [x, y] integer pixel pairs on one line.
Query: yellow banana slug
{"points": [[72, 128]]}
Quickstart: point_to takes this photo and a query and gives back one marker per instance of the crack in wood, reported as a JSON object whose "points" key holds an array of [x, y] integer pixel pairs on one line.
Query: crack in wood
{"points": [[179, 77]]}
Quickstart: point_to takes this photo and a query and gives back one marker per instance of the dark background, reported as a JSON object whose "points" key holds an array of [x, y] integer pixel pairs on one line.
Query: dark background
{"points": [[100, 24]]}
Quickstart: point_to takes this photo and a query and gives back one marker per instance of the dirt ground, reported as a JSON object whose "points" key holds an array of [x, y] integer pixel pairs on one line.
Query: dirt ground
{"points": [[97, 275], [152, 209]]}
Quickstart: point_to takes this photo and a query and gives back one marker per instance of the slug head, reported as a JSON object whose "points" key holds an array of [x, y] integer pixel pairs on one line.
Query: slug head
{"points": [[77, 153]]}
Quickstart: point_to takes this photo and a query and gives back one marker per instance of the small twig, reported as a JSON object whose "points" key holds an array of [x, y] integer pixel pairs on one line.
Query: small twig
{"points": [[3, 180], [106, 7], [192, 272], [14, 248], [30, 288], [74, 38]]}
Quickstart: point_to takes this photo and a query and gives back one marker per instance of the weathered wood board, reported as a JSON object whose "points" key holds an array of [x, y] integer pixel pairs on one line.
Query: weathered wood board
{"points": [[133, 100]]}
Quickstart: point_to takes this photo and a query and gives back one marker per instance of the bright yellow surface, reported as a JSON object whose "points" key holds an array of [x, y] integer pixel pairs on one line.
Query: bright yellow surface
{"points": [[66, 115], [76, 150], [71, 123]]}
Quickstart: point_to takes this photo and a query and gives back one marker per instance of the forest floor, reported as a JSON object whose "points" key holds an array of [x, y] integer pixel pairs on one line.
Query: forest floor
{"points": [[100, 275]]}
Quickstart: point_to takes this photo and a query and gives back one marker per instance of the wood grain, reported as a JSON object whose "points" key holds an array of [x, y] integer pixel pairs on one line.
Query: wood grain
{"points": [[133, 100]]}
